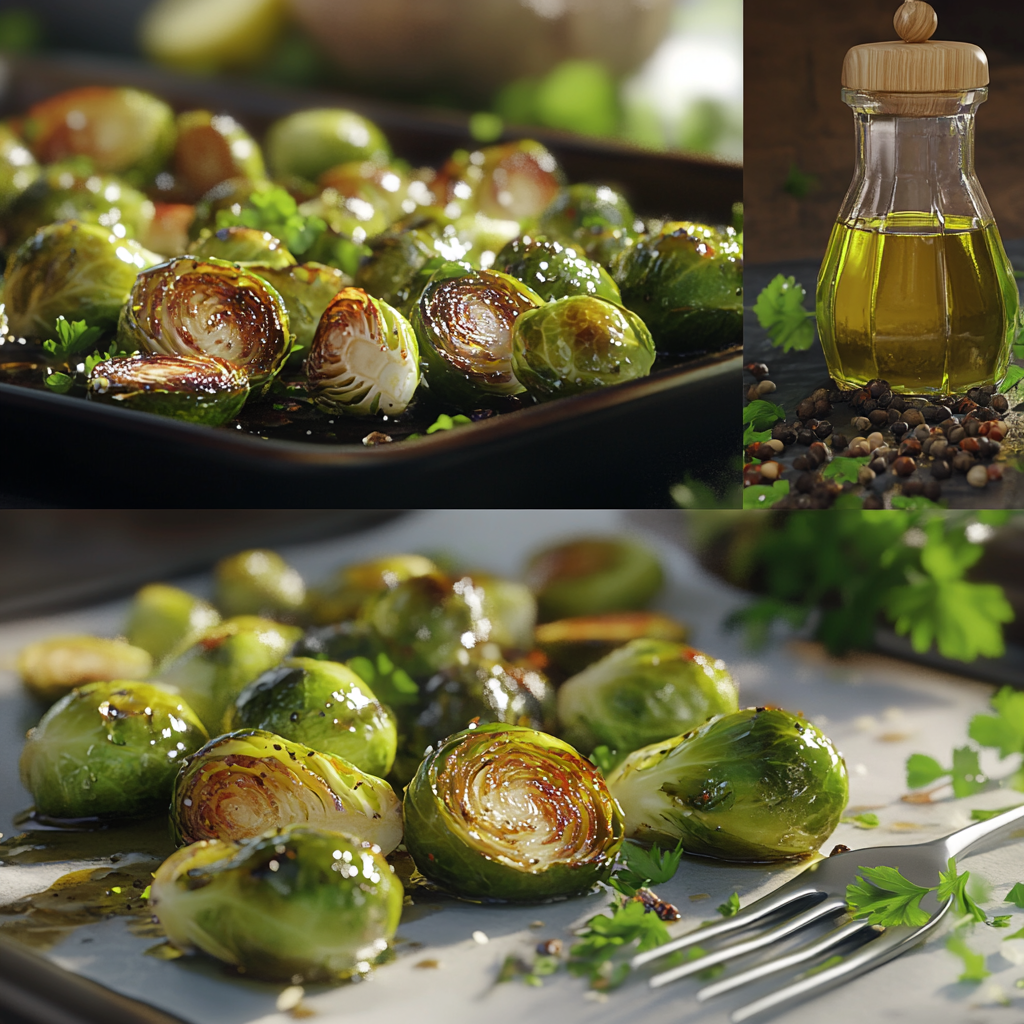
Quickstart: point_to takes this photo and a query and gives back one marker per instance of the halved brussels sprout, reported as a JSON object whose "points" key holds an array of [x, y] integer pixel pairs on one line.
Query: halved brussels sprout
{"points": [[383, 186], [195, 388], [239, 785], [687, 284], [760, 784], [351, 585], [238, 244], [18, 169], [77, 271], [109, 750], [208, 307], [463, 322], [595, 216], [212, 148], [593, 575], [164, 619], [554, 270], [310, 142], [324, 705], [51, 668], [644, 692], [224, 660], [350, 216], [577, 344], [122, 131], [295, 905], [508, 813], [364, 360], [258, 582]]}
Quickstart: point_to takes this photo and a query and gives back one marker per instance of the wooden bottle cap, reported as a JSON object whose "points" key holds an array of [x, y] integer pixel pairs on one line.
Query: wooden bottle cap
{"points": [[915, 63]]}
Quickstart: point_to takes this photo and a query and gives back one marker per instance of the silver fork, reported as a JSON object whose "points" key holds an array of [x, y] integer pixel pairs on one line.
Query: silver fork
{"points": [[817, 893]]}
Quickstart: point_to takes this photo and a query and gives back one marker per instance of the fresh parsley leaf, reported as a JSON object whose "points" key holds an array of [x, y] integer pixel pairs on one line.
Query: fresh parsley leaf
{"points": [[446, 422], [640, 866], [605, 935], [752, 436], [923, 770], [1014, 374], [845, 470], [60, 382], [866, 820], [916, 502], [731, 907], [763, 495], [780, 311], [1001, 921], [1016, 896], [74, 339], [979, 815], [1005, 729], [966, 774], [885, 897], [761, 414], [974, 963], [952, 884]]}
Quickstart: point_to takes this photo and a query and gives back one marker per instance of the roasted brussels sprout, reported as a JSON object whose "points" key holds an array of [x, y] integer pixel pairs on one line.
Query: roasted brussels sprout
{"points": [[364, 360], [77, 271], [384, 187], [577, 344], [109, 750], [351, 585], [554, 270], [759, 784], [293, 905], [324, 705], [687, 284], [593, 575], [194, 388], [463, 322], [122, 131], [312, 141], [595, 216], [238, 244], [508, 813], [208, 307], [168, 233], [644, 692], [51, 668], [395, 259], [163, 619], [224, 660], [258, 582], [239, 785], [18, 169], [212, 148], [349, 216]]}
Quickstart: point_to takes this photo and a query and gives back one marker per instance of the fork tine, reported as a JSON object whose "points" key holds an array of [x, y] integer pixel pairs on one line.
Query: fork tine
{"points": [[799, 956], [793, 924]]}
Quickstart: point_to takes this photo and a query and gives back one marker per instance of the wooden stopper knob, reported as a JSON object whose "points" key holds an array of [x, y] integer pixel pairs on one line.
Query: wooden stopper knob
{"points": [[915, 21]]}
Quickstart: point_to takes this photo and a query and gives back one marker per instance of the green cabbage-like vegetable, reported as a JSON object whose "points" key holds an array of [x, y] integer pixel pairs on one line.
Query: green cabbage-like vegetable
{"points": [[509, 813], [238, 244], [239, 785], [212, 148], [594, 216], [554, 270], [164, 619], [109, 750], [258, 582], [385, 187], [760, 784], [310, 142], [395, 259], [295, 905], [646, 691], [323, 705], [18, 169], [50, 668]]}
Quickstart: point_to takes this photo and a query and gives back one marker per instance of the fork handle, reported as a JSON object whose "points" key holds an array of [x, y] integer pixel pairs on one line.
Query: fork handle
{"points": [[960, 842]]}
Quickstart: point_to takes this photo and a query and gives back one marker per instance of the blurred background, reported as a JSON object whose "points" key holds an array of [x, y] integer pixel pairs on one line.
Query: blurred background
{"points": [[663, 74]]}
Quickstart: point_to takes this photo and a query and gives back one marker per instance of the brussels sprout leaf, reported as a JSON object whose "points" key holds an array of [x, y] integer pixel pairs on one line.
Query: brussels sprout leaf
{"points": [[1005, 729], [865, 820], [1016, 896], [640, 867], [974, 963], [780, 311], [955, 885], [885, 897], [731, 907]]}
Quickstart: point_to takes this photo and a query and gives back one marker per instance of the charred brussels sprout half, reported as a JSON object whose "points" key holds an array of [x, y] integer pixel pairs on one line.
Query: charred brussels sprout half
{"points": [[687, 284], [464, 322], [238, 786], [212, 148], [596, 217], [238, 244], [163, 619], [77, 271], [224, 660], [325, 706], [293, 905], [508, 813], [593, 575], [196, 388], [312, 141], [109, 750], [554, 270], [577, 344], [760, 784], [364, 360], [258, 582], [352, 585], [50, 668], [208, 307], [644, 692], [18, 169]]}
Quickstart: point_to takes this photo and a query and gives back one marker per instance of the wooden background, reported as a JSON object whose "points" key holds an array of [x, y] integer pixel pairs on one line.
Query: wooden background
{"points": [[794, 116]]}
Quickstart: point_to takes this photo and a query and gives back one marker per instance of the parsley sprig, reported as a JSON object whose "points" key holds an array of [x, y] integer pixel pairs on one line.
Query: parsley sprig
{"points": [[885, 897], [76, 344], [780, 311]]}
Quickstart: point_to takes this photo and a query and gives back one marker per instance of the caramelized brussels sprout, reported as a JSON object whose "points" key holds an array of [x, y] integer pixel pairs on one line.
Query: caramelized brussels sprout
{"points": [[310, 142], [18, 169], [760, 784], [350, 216], [258, 582], [395, 259], [508, 813], [351, 585], [239, 785], [224, 660], [195, 388], [324, 705], [577, 344], [383, 186], [122, 131], [364, 360], [168, 232], [51, 668], [593, 575], [596, 217], [212, 148], [238, 244], [554, 270], [77, 271], [208, 307], [163, 619], [464, 322], [295, 905], [644, 692], [687, 284], [109, 750]]}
